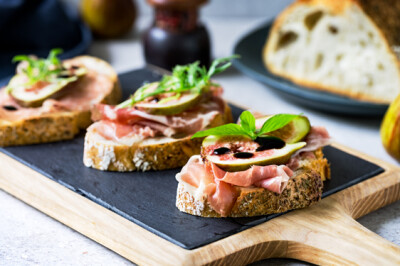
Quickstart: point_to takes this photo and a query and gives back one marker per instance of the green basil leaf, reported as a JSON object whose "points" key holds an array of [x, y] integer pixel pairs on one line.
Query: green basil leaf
{"points": [[248, 123], [276, 122], [224, 130]]}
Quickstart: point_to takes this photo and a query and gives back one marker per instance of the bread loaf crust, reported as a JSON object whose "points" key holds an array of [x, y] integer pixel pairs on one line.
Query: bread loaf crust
{"points": [[385, 14], [303, 190]]}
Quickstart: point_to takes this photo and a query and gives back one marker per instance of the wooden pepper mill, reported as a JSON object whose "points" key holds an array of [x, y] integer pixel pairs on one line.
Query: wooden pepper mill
{"points": [[176, 37]]}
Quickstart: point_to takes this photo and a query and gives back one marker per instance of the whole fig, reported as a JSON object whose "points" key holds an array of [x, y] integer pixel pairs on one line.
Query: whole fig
{"points": [[390, 129], [109, 18]]}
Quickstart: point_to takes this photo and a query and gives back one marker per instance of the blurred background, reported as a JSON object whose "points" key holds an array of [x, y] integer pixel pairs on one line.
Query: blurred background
{"points": [[47, 24], [226, 8]]}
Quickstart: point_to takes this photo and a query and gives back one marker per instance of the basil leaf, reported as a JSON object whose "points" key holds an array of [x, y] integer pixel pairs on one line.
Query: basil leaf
{"points": [[224, 130], [276, 122], [248, 123]]}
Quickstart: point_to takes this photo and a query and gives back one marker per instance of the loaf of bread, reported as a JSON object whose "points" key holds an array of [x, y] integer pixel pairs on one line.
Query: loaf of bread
{"points": [[344, 47]]}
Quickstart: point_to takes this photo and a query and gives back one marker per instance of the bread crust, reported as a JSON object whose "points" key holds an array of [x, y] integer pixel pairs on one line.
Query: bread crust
{"points": [[163, 153], [58, 125], [385, 28], [303, 190], [383, 13]]}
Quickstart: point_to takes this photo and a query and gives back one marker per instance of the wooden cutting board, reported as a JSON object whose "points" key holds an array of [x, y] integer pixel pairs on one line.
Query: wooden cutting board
{"points": [[325, 233], [156, 233]]}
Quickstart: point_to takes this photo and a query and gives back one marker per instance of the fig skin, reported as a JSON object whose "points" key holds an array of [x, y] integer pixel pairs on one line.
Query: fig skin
{"points": [[172, 109], [109, 18], [390, 129], [293, 132]]}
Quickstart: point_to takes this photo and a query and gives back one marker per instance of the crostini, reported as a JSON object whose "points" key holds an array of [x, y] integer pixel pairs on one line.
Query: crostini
{"points": [[261, 166], [152, 129], [48, 100]]}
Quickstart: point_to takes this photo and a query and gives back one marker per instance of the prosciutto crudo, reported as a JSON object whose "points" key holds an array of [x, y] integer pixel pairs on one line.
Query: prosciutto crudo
{"points": [[118, 123], [317, 137], [207, 180]]}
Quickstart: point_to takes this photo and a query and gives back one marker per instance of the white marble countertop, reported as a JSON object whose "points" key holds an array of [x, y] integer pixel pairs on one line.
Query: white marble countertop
{"points": [[28, 237]]}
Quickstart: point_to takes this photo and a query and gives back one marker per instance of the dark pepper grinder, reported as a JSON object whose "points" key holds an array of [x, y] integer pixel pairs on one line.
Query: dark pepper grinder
{"points": [[176, 36]]}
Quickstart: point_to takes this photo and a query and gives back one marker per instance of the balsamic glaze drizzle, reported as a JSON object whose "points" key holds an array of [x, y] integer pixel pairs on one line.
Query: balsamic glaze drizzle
{"points": [[267, 143], [10, 108], [243, 155], [222, 150]]}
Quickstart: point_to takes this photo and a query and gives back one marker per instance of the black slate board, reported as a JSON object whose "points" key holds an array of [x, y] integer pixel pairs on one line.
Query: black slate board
{"points": [[148, 199]]}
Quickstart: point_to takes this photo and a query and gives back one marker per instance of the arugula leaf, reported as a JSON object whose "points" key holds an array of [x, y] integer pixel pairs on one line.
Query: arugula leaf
{"points": [[214, 69], [247, 126], [224, 130], [191, 77], [276, 122], [40, 69]]}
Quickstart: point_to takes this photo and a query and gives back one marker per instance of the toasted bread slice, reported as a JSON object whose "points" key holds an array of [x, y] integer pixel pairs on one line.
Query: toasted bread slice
{"points": [[303, 189], [158, 153], [344, 47], [62, 118]]}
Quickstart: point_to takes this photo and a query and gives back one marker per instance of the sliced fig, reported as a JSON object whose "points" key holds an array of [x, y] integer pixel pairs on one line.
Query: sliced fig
{"points": [[161, 106], [240, 149], [35, 94], [293, 132]]}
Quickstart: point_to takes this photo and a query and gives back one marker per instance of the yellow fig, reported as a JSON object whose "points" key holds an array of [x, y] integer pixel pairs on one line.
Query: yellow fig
{"points": [[390, 129], [109, 18]]}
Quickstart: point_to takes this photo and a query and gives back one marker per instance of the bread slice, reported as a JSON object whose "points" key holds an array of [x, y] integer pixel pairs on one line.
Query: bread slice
{"points": [[158, 153], [63, 118], [303, 189], [341, 46]]}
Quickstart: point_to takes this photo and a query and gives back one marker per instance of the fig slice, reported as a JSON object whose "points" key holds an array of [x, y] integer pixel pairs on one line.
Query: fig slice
{"points": [[36, 94], [229, 162], [171, 107], [293, 132]]}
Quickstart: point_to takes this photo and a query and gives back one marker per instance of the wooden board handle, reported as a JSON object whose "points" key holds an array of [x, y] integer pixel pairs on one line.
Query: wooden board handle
{"points": [[323, 234], [331, 236]]}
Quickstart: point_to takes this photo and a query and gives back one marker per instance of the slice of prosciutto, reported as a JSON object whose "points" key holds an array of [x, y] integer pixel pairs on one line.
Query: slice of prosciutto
{"points": [[219, 185], [220, 195], [271, 177], [317, 137], [186, 123]]}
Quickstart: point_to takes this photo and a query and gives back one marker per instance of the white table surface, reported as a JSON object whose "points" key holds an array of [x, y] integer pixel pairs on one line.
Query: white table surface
{"points": [[28, 237]]}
